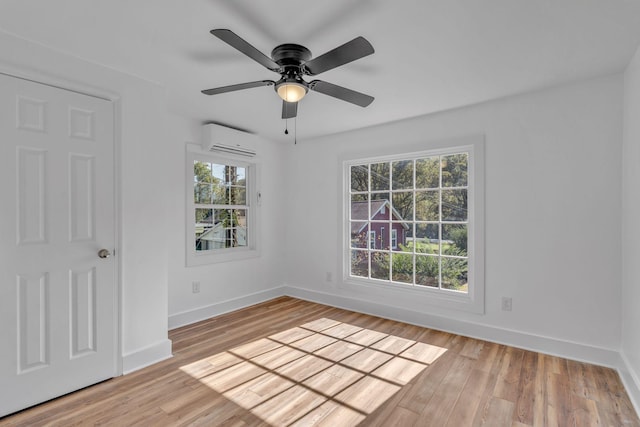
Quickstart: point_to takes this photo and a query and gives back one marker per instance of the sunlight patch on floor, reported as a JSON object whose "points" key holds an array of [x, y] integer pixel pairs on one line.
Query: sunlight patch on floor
{"points": [[324, 372]]}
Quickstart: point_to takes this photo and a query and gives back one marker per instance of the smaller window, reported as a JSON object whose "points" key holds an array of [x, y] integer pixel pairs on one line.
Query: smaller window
{"points": [[394, 238], [372, 240], [220, 198], [220, 212]]}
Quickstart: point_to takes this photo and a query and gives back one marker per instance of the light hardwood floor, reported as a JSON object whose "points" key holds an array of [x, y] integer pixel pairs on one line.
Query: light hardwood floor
{"points": [[291, 362]]}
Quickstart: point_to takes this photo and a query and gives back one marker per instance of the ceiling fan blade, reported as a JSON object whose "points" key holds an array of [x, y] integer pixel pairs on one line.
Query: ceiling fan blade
{"points": [[233, 40], [341, 93], [231, 88], [289, 109], [350, 51]]}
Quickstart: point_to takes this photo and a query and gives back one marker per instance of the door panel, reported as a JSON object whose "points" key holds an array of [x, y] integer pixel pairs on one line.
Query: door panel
{"points": [[58, 299]]}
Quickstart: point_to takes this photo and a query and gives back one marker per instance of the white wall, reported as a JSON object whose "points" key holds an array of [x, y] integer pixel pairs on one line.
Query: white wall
{"points": [[553, 208], [631, 230], [553, 238], [229, 285], [141, 160]]}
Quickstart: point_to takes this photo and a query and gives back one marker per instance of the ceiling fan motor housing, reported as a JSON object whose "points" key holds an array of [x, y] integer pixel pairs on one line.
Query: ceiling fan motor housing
{"points": [[291, 57], [290, 54]]}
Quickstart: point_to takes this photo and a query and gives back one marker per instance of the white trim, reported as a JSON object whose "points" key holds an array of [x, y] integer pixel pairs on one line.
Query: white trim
{"points": [[50, 80], [394, 238], [202, 313], [547, 345], [538, 343], [252, 250], [119, 237], [146, 356], [630, 380]]}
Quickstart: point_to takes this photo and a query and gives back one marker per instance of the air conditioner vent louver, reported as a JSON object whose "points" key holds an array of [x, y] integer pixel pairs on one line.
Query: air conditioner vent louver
{"points": [[222, 139], [232, 150]]}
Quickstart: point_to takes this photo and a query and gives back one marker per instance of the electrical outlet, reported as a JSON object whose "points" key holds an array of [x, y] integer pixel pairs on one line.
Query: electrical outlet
{"points": [[195, 287], [506, 303]]}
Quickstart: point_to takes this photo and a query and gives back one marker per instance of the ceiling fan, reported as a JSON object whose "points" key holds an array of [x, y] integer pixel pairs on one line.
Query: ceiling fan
{"points": [[292, 62]]}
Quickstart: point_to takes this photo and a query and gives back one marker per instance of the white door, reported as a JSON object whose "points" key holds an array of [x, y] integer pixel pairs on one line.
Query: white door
{"points": [[58, 299]]}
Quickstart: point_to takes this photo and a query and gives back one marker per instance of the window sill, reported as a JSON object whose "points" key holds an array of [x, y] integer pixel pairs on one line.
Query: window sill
{"points": [[435, 297], [199, 259]]}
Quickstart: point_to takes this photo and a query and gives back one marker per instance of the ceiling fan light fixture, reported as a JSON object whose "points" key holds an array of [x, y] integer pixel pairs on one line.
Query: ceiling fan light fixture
{"points": [[291, 91]]}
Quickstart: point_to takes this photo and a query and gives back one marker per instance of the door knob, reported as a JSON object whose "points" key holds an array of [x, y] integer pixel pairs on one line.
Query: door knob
{"points": [[104, 253]]}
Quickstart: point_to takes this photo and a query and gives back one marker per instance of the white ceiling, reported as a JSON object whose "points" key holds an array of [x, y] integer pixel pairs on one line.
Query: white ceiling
{"points": [[431, 55]]}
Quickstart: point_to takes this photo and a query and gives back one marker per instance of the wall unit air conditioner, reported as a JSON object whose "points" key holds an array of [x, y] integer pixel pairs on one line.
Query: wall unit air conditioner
{"points": [[222, 139]]}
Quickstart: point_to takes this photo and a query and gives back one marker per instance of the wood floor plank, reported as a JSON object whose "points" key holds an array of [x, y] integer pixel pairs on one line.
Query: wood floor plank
{"points": [[466, 406], [559, 398], [422, 391], [331, 414], [472, 348], [401, 417], [509, 376], [293, 362], [525, 402], [540, 396], [584, 412], [499, 413], [443, 400], [423, 353]]}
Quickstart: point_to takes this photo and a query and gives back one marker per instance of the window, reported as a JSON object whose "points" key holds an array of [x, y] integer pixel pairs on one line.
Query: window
{"points": [[220, 199], [433, 199], [372, 239], [220, 216]]}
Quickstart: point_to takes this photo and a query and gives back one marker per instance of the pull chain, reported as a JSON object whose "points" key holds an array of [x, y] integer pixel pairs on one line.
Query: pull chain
{"points": [[295, 129]]}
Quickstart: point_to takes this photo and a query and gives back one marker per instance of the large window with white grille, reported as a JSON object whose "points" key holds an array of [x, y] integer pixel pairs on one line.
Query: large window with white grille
{"points": [[410, 220]]}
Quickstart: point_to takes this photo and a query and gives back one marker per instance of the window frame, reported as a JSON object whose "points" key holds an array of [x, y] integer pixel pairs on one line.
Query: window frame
{"points": [[472, 301], [251, 250]]}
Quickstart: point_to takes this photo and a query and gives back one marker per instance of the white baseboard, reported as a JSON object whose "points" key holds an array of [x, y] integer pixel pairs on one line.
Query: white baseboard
{"points": [[146, 356], [206, 312], [631, 381], [546, 345]]}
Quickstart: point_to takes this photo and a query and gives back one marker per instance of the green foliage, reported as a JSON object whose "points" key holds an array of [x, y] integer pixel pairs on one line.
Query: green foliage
{"points": [[454, 170], [428, 173], [459, 237], [427, 269], [380, 265], [454, 273], [360, 178], [402, 267], [202, 172]]}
